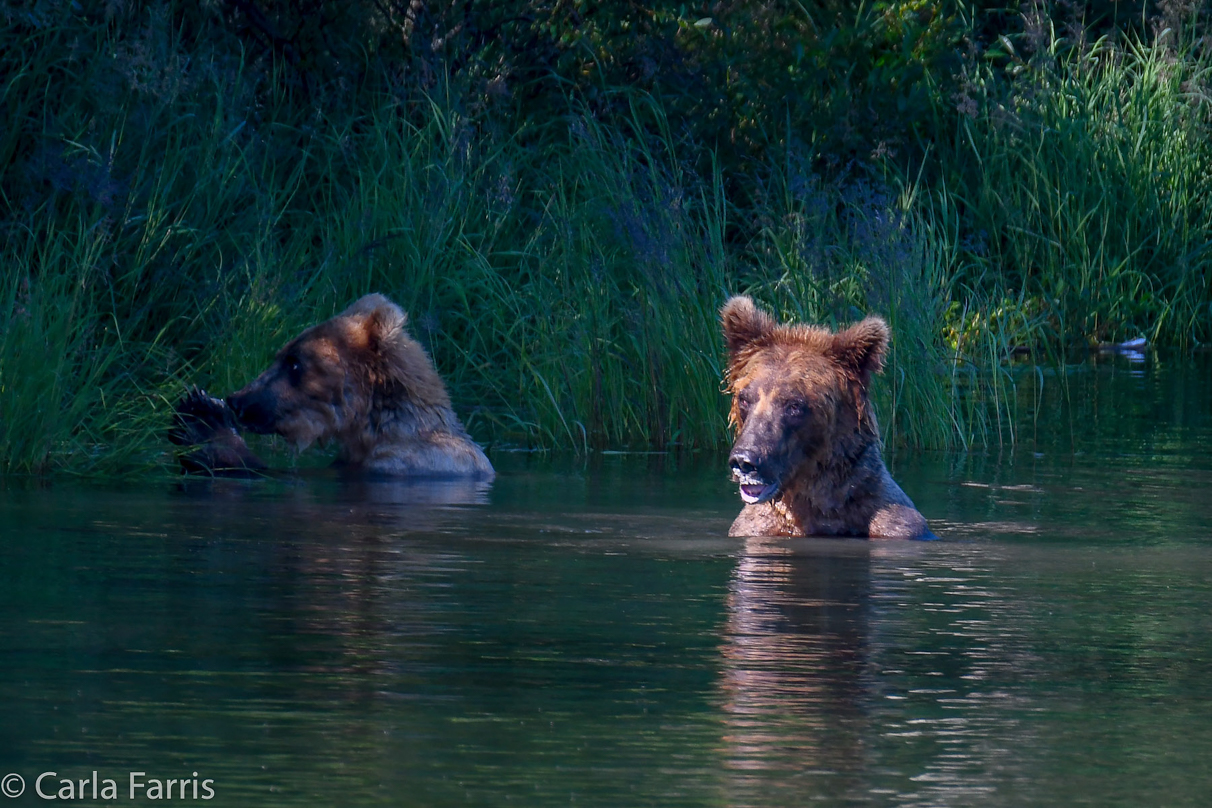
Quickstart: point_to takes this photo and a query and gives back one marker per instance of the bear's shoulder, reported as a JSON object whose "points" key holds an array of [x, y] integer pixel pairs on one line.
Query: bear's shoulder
{"points": [[430, 454], [767, 519]]}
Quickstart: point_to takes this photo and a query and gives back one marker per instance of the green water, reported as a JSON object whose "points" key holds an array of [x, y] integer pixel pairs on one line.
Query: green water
{"points": [[586, 634]]}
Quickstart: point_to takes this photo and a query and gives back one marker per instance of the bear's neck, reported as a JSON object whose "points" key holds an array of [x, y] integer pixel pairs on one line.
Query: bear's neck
{"points": [[826, 492], [395, 423], [405, 419]]}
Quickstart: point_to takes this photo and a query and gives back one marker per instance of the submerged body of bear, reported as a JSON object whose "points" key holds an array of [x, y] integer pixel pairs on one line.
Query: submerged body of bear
{"points": [[807, 453], [361, 381]]}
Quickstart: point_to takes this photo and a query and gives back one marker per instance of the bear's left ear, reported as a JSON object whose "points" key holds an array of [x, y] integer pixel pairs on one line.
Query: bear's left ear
{"points": [[861, 348], [381, 320], [385, 323]]}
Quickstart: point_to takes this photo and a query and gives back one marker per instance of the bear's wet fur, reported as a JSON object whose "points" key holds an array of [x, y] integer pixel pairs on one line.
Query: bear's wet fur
{"points": [[361, 381], [807, 451]]}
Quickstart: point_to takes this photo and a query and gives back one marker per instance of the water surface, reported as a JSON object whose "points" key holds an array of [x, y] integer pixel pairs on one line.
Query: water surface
{"points": [[586, 634]]}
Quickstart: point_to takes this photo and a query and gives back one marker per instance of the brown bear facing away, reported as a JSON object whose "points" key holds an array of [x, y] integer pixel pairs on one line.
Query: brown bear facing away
{"points": [[360, 380], [807, 450]]}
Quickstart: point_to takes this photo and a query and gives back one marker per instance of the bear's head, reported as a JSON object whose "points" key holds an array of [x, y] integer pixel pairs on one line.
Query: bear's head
{"points": [[339, 378], [799, 395]]}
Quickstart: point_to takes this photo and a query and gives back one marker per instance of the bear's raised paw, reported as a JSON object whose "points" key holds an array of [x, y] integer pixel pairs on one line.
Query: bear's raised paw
{"points": [[207, 427]]}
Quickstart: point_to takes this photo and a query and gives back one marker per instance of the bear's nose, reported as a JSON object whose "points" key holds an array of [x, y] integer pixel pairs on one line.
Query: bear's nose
{"points": [[742, 462], [247, 413], [252, 411], [236, 404]]}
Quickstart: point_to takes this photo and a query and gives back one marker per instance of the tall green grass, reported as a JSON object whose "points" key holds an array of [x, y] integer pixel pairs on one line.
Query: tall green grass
{"points": [[1087, 183], [1072, 202], [173, 217]]}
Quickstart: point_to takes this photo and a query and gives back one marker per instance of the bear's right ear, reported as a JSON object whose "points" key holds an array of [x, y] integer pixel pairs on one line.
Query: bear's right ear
{"points": [[744, 323]]}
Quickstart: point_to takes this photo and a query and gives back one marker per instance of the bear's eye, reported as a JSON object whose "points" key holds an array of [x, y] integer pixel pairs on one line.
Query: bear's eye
{"points": [[796, 411], [743, 402], [294, 370]]}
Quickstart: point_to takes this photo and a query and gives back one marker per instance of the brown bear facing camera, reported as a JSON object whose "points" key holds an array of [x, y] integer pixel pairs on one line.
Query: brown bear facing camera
{"points": [[807, 451], [361, 381]]}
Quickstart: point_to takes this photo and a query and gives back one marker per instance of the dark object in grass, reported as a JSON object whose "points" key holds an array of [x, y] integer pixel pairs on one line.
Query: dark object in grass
{"points": [[207, 428], [1133, 350]]}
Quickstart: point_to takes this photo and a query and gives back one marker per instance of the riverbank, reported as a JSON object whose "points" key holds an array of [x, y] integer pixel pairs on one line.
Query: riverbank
{"points": [[177, 206]]}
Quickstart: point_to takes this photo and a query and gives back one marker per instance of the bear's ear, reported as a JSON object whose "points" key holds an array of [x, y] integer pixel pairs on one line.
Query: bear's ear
{"points": [[744, 323], [861, 348], [380, 320]]}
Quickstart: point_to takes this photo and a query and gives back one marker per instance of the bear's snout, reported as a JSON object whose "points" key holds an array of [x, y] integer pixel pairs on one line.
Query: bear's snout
{"points": [[743, 463], [748, 469], [251, 412]]}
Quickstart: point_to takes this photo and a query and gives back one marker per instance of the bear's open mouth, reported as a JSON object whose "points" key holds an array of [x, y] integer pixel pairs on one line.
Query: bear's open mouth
{"points": [[754, 493]]}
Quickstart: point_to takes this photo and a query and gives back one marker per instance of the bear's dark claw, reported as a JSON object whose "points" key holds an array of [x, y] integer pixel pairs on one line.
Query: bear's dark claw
{"points": [[208, 425], [198, 416]]}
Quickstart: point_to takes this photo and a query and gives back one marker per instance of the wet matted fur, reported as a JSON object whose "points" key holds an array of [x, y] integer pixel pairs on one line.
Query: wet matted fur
{"points": [[362, 381], [807, 451]]}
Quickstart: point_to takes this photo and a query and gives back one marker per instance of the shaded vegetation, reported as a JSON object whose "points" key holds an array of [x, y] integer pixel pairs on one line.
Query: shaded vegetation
{"points": [[562, 194]]}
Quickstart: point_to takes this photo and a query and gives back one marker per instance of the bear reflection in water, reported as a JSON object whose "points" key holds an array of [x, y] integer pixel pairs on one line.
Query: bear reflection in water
{"points": [[875, 672], [795, 656]]}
